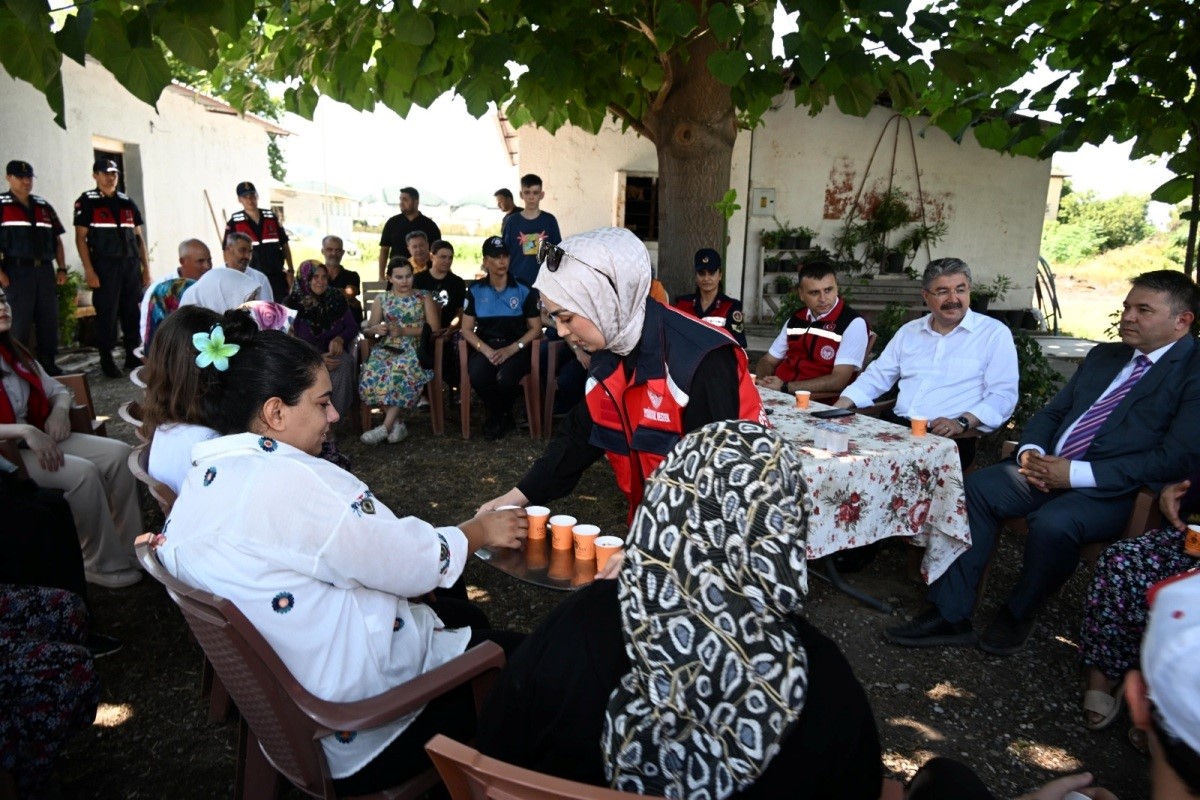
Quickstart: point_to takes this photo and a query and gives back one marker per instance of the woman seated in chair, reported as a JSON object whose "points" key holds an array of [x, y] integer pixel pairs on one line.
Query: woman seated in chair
{"points": [[392, 376], [220, 290], [656, 373], [500, 320], [91, 470], [324, 579], [1115, 611], [325, 321], [693, 674]]}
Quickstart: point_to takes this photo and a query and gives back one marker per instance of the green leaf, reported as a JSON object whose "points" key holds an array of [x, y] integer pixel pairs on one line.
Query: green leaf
{"points": [[993, 135], [191, 43], [953, 66], [301, 100], [31, 13], [728, 67], [411, 27], [936, 24], [401, 62], [808, 52], [856, 96], [459, 8], [72, 36], [24, 50], [819, 13], [143, 71], [724, 22], [677, 18]]}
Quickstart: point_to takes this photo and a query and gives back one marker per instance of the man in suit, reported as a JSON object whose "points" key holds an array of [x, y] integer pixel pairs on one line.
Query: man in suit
{"points": [[1127, 417]]}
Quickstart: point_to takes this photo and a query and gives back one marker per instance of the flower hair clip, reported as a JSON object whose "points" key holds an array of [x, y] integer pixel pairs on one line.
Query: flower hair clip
{"points": [[213, 349]]}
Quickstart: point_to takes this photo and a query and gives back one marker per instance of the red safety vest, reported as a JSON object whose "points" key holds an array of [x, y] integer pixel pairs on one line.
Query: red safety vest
{"points": [[638, 418], [813, 346]]}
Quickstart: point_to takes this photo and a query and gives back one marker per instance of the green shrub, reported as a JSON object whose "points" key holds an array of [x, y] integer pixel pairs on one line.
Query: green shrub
{"points": [[1069, 243], [1039, 381], [68, 294]]}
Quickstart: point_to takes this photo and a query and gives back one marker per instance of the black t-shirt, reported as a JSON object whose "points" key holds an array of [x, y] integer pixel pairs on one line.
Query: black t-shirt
{"points": [[448, 292], [348, 278], [399, 226], [547, 711]]}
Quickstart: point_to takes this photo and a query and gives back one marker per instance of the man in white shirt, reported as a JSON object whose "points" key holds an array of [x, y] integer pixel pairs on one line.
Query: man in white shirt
{"points": [[238, 249], [195, 259], [822, 347], [956, 368], [1128, 417]]}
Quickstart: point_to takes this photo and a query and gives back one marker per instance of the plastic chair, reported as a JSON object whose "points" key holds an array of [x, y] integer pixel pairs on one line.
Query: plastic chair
{"points": [[83, 413], [433, 391], [139, 465], [531, 383], [282, 723], [130, 413], [470, 775]]}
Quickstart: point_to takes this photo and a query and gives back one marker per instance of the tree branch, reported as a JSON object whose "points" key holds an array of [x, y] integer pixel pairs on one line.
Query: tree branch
{"points": [[629, 119]]}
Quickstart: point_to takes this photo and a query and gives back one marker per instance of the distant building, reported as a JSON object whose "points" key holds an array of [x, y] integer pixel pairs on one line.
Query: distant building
{"points": [[180, 163]]}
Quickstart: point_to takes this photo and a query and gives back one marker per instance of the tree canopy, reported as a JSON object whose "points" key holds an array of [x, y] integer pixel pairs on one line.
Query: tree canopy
{"points": [[683, 73]]}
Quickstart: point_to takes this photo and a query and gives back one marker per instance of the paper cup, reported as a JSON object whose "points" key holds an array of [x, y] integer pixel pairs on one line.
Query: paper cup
{"points": [[802, 398], [919, 425], [561, 532], [1191, 540], [562, 565], [537, 521], [606, 547], [585, 542]]}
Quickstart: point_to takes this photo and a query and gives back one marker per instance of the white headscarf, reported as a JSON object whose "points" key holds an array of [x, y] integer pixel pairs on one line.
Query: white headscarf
{"points": [[221, 289], [605, 278]]}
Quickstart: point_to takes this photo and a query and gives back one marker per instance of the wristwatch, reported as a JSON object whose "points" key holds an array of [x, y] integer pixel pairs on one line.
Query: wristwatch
{"points": [[966, 423], [520, 345]]}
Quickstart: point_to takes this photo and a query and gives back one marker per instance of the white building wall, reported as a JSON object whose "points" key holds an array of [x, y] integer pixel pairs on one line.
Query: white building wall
{"points": [[183, 150], [993, 203]]}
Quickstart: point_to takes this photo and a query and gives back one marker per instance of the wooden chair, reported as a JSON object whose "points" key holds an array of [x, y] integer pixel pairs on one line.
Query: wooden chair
{"points": [[85, 420], [282, 723], [470, 775], [531, 383], [433, 391], [554, 350], [139, 465], [369, 290]]}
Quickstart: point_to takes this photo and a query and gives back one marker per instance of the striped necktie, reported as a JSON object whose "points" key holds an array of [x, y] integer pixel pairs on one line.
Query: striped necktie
{"points": [[1085, 431]]}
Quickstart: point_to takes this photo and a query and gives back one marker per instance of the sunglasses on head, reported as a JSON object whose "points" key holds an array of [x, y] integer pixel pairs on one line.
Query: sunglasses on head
{"points": [[551, 256]]}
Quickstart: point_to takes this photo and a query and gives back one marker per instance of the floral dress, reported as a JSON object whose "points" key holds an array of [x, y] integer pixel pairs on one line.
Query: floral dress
{"points": [[392, 375]]}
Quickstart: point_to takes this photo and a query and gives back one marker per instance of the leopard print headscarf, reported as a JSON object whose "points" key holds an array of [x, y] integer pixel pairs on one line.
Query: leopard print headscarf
{"points": [[715, 562]]}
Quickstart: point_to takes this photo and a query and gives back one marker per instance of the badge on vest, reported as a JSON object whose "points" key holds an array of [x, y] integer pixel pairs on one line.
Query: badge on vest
{"points": [[827, 353]]}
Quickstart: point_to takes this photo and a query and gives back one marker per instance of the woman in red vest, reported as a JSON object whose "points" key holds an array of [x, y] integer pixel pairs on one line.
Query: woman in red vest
{"points": [[656, 373]]}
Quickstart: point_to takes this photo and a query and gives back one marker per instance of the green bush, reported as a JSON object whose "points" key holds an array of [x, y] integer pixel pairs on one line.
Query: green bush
{"points": [[68, 294], [1069, 243], [1039, 381], [1120, 221]]}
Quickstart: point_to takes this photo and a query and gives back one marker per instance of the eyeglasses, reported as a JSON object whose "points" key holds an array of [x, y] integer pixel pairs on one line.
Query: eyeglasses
{"points": [[551, 256]]}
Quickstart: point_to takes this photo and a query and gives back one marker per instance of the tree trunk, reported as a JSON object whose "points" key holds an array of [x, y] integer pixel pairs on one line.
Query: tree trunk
{"points": [[694, 130], [1189, 258]]}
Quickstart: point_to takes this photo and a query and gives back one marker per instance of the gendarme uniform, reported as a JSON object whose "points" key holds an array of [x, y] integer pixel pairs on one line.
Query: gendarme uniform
{"points": [[112, 243], [268, 238], [28, 238]]}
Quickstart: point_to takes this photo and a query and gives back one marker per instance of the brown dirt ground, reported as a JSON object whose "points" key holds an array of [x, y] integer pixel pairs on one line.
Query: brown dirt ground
{"points": [[1016, 721]]}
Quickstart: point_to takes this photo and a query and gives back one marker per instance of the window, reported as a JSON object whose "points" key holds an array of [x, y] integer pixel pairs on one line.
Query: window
{"points": [[637, 204]]}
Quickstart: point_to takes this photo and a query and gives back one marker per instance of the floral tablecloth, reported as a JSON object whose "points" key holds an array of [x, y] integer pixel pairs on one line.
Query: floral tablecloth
{"points": [[888, 483]]}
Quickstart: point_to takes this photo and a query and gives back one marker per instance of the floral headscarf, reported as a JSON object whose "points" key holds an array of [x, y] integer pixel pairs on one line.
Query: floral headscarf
{"points": [[163, 299], [715, 563], [320, 311], [605, 278]]}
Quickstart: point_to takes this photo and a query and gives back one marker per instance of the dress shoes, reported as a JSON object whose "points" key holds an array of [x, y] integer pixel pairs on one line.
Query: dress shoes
{"points": [[52, 369], [931, 630], [1007, 634], [131, 360]]}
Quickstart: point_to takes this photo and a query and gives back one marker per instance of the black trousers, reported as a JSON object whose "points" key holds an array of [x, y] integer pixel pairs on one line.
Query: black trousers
{"points": [[41, 547], [452, 714], [497, 386], [117, 301], [34, 302]]}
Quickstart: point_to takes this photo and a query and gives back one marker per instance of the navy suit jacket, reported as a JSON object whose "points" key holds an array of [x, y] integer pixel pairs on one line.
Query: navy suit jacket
{"points": [[1150, 437]]}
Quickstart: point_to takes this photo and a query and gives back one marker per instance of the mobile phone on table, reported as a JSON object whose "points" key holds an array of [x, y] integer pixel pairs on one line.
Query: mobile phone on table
{"points": [[833, 413]]}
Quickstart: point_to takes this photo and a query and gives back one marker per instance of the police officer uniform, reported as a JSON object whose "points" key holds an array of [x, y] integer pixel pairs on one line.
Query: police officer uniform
{"points": [[267, 237], [29, 245], [114, 247], [724, 311]]}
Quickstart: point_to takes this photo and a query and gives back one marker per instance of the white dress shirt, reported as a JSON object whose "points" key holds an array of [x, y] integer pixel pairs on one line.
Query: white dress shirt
{"points": [[323, 579], [970, 370], [1081, 475]]}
